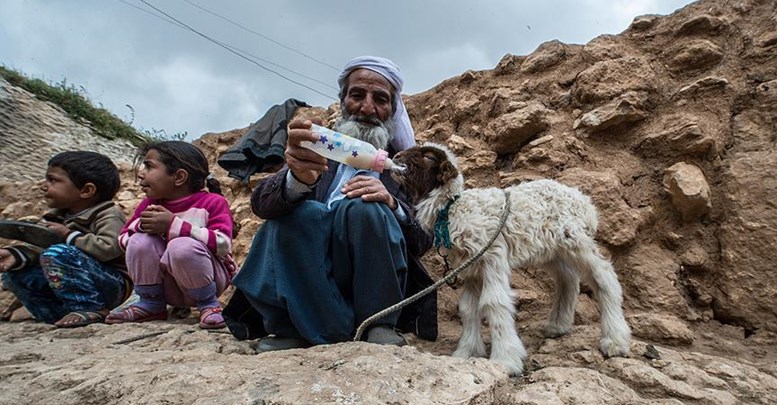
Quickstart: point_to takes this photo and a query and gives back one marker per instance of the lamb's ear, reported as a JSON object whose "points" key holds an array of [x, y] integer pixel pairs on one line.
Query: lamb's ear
{"points": [[447, 172]]}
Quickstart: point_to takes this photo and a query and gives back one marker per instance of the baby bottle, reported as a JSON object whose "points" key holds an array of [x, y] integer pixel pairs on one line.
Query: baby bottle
{"points": [[348, 150]]}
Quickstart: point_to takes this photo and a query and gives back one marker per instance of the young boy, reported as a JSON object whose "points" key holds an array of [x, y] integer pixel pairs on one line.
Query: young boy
{"points": [[77, 282]]}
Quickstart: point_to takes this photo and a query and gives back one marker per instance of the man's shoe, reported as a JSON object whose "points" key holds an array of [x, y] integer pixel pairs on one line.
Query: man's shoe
{"points": [[383, 335], [273, 343]]}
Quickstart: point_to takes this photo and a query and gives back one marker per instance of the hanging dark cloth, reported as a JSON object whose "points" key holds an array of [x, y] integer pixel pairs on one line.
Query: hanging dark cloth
{"points": [[261, 148]]}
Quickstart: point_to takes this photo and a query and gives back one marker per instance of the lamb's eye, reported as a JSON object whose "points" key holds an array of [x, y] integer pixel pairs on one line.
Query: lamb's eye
{"points": [[430, 158]]}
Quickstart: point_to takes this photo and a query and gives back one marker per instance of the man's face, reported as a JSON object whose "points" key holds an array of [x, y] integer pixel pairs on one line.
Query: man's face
{"points": [[369, 95], [367, 108]]}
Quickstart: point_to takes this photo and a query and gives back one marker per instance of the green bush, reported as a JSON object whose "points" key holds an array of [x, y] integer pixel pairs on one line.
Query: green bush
{"points": [[77, 105]]}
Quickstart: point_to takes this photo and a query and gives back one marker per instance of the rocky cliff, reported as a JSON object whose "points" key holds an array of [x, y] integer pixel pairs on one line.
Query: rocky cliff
{"points": [[669, 126]]}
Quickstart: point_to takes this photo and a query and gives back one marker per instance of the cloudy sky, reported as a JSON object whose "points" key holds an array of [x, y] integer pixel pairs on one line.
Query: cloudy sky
{"points": [[126, 53]]}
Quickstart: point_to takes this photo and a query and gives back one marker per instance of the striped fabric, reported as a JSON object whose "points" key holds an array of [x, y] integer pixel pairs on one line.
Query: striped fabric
{"points": [[203, 216]]}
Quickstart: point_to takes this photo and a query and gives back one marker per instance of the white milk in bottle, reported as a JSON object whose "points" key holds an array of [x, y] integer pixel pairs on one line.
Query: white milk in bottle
{"points": [[351, 151]]}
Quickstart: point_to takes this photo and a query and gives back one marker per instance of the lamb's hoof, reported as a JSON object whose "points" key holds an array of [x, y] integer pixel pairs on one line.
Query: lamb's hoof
{"points": [[514, 365], [553, 331], [463, 353], [614, 347]]}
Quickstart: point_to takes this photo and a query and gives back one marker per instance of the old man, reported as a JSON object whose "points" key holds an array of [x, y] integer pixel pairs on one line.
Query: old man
{"points": [[339, 244]]}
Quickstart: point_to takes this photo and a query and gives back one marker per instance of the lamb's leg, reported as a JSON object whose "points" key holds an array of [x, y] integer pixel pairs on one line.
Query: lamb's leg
{"points": [[497, 304], [562, 316], [471, 341], [600, 275]]}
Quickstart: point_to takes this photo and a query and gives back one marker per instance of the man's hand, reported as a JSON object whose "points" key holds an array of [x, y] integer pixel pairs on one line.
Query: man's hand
{"points": [[7, 260], [304, 164], [56, 227], [369, 189], [155, 220]]}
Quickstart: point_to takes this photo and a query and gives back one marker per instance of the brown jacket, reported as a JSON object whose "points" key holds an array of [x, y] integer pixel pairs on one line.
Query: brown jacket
{"points": [[94, 231]]}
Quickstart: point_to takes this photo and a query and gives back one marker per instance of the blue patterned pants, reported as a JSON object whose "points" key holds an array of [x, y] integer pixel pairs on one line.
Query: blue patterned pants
{"points": [[66, 280]]}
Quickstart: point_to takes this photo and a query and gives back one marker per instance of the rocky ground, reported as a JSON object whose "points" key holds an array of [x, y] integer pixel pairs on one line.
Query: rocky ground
{"points": [[669, 126], [176, 362]]}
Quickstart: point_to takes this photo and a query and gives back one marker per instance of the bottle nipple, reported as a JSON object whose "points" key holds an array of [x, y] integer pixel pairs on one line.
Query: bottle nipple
{"points": [[383, 162]]}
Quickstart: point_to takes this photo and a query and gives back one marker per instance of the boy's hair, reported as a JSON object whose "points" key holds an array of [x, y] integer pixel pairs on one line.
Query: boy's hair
{"points": [[89, 167], [182, 155]]}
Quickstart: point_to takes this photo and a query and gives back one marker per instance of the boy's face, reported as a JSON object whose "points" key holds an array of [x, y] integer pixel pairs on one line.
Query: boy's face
{"points": [[59, 191]]}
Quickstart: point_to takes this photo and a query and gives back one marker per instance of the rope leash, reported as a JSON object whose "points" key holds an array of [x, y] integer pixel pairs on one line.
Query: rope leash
{"points": [[446, 279]]}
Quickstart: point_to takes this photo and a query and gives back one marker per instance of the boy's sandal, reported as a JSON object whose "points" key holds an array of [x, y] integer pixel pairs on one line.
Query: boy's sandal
{"points": [[77, 319], [211, 318], [134, 313]]}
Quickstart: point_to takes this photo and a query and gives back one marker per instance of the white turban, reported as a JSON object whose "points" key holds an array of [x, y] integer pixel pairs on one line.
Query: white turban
{"points": [[403, 136]]}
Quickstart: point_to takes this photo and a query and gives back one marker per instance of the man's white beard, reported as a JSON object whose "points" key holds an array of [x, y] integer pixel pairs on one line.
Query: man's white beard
{"points": [[378, 134]]}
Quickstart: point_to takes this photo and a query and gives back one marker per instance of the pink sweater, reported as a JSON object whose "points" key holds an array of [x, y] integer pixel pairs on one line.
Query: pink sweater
{"points": [[203, 216]]}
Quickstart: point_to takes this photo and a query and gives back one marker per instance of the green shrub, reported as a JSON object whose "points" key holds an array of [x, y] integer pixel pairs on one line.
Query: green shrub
{"points": [[73, 100]]}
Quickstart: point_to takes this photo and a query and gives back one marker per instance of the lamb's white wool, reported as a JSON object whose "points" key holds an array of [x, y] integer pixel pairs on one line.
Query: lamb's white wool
{"points": [[550, 225]]}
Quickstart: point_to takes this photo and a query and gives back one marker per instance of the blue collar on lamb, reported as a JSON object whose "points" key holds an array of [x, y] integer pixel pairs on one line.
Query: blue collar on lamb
{"points": [[442, 236]]}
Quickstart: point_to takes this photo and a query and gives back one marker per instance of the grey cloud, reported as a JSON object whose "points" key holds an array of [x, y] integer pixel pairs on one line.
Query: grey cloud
{"points": [[177, 81]]}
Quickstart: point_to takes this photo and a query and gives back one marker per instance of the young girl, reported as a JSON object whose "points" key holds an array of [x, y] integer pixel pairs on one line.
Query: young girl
{"points": [[178, 242]]}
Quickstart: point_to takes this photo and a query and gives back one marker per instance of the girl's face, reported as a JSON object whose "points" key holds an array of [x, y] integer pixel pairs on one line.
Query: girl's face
{"points": [[155, 181]]}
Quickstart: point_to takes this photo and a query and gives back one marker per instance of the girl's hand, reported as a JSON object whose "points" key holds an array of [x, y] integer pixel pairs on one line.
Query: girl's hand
{"points": [[369, 189], [155, 220], [7, 260]]}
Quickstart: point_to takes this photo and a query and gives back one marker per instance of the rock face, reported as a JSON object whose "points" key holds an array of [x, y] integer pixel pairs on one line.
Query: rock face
{"points": [[33, 131], [668, 126], [689, 190]]}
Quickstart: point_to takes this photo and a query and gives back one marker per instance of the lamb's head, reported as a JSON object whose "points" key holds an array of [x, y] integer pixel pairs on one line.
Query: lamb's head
{"points": [[428, 168]]}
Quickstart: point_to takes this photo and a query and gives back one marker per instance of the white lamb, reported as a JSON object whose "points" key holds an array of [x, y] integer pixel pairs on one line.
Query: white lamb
{"points": [[550, 225]]}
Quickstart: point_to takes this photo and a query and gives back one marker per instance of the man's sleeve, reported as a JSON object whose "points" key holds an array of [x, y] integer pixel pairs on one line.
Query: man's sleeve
{"points": [[295, 190], [400, 214], [268, 201]]}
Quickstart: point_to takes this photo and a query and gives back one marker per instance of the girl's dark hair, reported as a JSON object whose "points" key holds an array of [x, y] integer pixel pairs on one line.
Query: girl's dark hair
{"points": [[182, 155]]}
